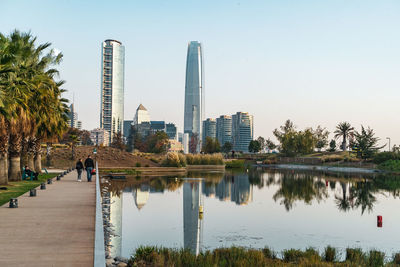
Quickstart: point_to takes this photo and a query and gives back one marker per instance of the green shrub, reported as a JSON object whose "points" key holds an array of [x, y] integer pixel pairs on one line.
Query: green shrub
{"points": [[355, 255], [236, 163], [269, 253], [292, 255], [385, 156], [390, 165], [376, 258], [138, 164], [396, 258], [329, 254]]}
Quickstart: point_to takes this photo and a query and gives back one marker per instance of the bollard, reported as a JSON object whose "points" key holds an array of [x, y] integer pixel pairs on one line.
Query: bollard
{"points": [[42, 186], [32, 193], [13, 203], [49, 181], [379, 221], [65, 172], [58, 177]]}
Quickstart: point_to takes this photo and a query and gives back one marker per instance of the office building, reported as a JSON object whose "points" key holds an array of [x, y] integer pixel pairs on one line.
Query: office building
{"points": [[224, 129], [142, 115], [170, 129], [194, 92], [209, 129], [127, 128], [73, 118], [100, 137], [112, 87], [242, 131]]}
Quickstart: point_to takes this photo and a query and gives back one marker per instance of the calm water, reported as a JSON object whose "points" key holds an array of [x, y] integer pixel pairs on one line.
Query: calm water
{"points": [[278, 209]]}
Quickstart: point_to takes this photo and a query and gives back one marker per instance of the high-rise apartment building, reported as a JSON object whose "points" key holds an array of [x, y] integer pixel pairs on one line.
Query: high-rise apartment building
{"points": [[209, 129], [170, 129], [224, 129], [112, 86], [194, 92], [242, 131]]}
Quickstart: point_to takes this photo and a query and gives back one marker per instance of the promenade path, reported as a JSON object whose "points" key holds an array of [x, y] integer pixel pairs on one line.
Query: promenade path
{"points": [[55, 228]]}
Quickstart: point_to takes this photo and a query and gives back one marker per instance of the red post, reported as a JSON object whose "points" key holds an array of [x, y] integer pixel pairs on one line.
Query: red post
{"points": [[379, 221]]}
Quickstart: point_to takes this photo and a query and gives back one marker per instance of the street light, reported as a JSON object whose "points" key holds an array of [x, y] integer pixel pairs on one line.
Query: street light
{"points": [[389, 142]]}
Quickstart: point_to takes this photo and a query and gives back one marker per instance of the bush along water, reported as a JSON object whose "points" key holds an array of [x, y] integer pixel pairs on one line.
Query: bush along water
{"points": [[390, 165], [236, 163], [239, 256]]}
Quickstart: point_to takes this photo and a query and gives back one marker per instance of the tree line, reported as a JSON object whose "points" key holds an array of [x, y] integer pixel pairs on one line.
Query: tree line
{"points": [[32, 109], [293, 142]]}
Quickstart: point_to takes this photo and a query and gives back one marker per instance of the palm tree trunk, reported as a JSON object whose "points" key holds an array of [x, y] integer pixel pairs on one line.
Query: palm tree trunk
{"points": [[14, 173], [30, 162], [38, 163], [14, 151], [38, 155], [3, 168]]}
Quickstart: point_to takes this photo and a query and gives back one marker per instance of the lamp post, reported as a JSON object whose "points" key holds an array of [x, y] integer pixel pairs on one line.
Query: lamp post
{"points": [[389, 142]]}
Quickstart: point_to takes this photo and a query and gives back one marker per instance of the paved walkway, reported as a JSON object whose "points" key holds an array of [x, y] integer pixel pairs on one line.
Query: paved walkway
{"points": [[55, 228]]}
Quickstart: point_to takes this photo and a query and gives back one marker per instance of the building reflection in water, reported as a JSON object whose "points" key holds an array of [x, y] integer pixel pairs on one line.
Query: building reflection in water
{"points": [[236, 188], [192, 216], [141, 195], [116, 221]]}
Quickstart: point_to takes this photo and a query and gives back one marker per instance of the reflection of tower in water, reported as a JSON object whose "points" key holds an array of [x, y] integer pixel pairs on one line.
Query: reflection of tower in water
{"points": [[141, 195], [192, 216], [116, 221]]}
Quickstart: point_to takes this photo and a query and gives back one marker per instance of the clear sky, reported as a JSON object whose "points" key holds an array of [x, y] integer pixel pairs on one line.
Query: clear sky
{"points": [[314, 62]]}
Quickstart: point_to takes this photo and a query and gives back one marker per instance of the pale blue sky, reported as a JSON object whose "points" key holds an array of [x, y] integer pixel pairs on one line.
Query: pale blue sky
{"points": [[315, 62]]}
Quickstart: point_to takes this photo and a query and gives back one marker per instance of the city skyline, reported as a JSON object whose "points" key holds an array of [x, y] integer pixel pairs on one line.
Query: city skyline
{"points": [[275, 57]]}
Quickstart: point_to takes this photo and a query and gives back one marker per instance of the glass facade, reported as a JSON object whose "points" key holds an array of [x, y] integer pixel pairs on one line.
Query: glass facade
{"points": [[112, 87], [194, 91], [209, 129], [171, 130], [242, 131], [224, 129]]}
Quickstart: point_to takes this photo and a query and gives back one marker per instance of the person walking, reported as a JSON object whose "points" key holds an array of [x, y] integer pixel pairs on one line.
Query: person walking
{"points": [[89, 165], [79, 169]]}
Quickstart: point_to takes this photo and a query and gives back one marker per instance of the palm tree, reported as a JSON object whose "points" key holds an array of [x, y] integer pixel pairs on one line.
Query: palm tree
{"points": [[344, 130], [30, 100]]}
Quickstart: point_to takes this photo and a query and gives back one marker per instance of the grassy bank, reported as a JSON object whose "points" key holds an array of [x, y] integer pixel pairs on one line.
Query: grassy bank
{"points": [[235, 164], [392, 165], [237, 256], [15, 189]]}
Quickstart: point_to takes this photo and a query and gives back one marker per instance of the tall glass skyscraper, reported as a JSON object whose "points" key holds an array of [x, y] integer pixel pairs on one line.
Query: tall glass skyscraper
{"points": [[112, 86], [209, 129], [224, 129], [194, 91]]}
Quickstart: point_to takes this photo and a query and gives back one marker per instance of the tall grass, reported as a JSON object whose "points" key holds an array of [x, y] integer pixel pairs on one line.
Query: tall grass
{"points": [[207, 159], [236, 163], [173, 159], [239, 256]]}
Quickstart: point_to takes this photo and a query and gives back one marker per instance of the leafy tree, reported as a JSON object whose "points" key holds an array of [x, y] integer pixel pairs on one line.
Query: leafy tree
{"points": [[321, 135], [344, 130], [262, 142], [332, 145], [293, 142], [365, 143], [118, 141], [254, 146], [227, 147], [194, 143], [211, 145], [85, 138], [157, 142], [269, 144]]}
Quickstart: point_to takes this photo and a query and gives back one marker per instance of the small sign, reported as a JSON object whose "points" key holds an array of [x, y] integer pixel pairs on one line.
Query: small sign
{"points": [[94, 151]]}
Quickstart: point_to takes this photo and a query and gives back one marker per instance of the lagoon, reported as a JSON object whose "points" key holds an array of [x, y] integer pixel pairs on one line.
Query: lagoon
{"points": [[256, 208]]}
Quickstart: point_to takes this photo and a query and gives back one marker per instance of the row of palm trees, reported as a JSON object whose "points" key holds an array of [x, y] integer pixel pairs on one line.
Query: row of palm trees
{"points": [[32, 109]]}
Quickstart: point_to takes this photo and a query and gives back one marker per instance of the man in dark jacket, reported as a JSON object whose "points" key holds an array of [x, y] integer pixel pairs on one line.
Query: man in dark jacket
{"points": [[79, 169], [89, 165]]}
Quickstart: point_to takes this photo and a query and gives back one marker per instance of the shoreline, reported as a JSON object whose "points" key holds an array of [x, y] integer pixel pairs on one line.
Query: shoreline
{"points": [[321, 168]]}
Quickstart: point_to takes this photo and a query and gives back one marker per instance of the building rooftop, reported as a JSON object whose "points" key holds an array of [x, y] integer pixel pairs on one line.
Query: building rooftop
{"points": [[141, 107]]}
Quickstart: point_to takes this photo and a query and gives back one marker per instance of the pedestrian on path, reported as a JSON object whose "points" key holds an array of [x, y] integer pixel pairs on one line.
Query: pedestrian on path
{"points": [[79, 169], [89, 165]]}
